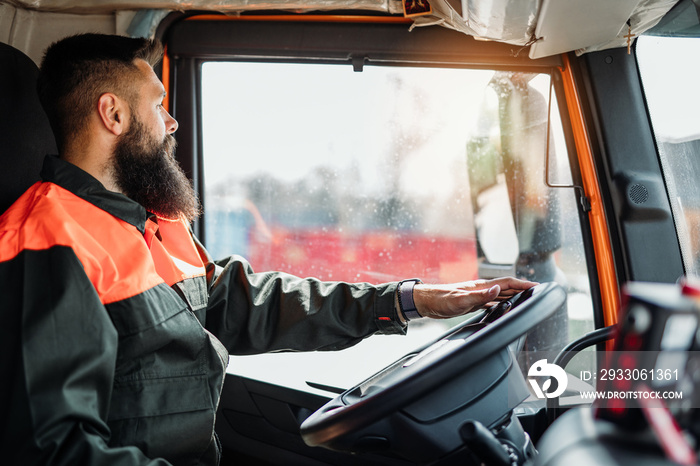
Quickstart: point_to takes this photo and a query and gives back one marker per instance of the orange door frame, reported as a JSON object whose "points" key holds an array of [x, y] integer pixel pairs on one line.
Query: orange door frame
{"points": [[607, 278]]}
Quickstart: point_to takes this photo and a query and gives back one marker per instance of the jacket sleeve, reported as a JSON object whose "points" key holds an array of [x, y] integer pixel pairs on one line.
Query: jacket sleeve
{"points": [[59, 351], [273, 311]]}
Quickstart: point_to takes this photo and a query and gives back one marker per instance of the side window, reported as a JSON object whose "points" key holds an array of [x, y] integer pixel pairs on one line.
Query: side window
{"points": [[391, 173], [669, 67]]}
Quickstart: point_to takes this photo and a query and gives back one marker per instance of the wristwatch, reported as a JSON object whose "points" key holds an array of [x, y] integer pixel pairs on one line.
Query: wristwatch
{"points": [[406, 304]]}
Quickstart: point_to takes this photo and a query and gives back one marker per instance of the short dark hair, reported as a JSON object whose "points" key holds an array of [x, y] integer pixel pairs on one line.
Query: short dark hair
{"points": [[78, 69]]}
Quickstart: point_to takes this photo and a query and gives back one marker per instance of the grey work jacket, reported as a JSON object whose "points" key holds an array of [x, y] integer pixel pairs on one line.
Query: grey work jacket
{"points": [[117, 327]]}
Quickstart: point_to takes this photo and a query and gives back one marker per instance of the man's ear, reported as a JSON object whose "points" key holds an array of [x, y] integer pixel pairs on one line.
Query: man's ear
{"points": [[113, 113]]}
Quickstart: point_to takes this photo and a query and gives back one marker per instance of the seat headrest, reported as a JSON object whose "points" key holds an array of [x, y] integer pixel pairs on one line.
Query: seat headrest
{"points": [[25, 133]]}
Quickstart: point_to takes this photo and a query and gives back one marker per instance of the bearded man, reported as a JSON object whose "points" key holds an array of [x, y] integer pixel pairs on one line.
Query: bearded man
{"points": [[123, 322]]}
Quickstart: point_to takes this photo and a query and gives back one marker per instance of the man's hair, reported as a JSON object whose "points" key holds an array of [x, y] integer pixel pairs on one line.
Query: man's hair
{"points": [[77, 70]]}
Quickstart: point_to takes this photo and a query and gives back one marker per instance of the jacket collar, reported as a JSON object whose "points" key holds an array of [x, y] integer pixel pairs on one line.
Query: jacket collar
{"points": [[88, 188]]}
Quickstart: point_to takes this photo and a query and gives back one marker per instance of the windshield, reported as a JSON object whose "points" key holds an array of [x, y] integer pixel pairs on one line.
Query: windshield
{"points": [[386, 174]]}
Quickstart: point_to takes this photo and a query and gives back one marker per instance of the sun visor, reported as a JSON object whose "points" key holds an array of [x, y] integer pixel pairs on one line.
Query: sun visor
{"points": [[566, 25], [549, 27]]}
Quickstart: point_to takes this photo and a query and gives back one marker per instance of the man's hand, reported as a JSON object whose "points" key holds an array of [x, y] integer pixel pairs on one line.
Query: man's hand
{"points": [[445, 301]]}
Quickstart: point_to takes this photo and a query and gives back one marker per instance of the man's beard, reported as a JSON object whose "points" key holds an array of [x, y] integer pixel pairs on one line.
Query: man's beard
{"points": [[146, 171]]}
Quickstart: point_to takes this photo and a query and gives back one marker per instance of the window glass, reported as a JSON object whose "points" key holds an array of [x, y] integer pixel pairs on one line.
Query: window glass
{"points": [[669, 67], [385, 174]]}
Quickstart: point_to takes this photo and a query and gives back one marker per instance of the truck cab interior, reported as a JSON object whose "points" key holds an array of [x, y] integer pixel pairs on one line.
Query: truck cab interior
{"points": [[377, 140]]}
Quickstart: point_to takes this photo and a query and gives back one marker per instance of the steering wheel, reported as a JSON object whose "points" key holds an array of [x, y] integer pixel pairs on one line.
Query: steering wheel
{"points": [[459, 354]]}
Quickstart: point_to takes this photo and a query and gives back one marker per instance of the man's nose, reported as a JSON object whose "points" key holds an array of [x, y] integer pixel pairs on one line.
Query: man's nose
{"points": [[170, 124]]}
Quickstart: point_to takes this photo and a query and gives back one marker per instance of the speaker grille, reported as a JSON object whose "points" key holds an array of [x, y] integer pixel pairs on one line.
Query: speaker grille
{"points": [[638, 193]]}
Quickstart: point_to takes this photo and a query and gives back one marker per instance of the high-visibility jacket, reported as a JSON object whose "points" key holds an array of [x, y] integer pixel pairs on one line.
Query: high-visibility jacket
{"points": [[116, 327]]}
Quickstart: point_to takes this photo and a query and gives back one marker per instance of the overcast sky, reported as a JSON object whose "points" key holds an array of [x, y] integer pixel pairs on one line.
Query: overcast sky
{"points": [[670, 70], [290, 118]]}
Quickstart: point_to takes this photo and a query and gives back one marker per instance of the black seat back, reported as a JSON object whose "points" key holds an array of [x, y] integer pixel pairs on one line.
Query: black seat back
{"points": [[25, 133]]}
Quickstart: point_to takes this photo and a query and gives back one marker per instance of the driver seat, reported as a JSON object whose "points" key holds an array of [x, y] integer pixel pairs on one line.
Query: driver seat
{"points": [[25, 134]]}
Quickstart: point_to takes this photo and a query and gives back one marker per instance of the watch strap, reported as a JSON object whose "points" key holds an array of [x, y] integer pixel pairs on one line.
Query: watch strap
{"points": [[406, 303]]}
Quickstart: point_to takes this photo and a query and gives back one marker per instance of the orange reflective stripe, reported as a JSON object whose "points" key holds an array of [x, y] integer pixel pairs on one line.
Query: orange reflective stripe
{"points": [[176, 257], [119, 261], [113, 253], [151, 230]]}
